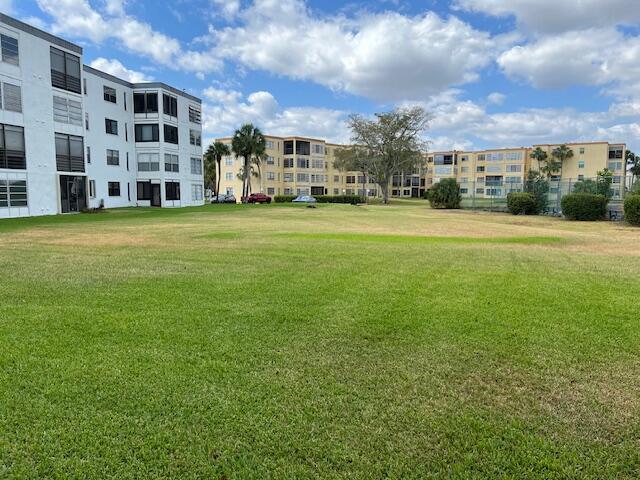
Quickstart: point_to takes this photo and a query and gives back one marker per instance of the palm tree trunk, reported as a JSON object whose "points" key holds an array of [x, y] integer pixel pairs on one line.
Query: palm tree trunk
{"points": [[219, 162]]}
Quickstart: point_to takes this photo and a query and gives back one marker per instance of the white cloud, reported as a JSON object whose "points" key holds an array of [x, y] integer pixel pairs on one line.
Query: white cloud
{"points": [[596, 57], [228, 8], [559, 15], [496, 98], [464, 122], [114, 67], [78, 19], [384, 56], [225, 110]]}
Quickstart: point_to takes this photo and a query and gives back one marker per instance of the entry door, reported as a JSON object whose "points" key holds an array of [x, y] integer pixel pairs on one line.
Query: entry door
{"points": [[156, 199], [73, 196]]}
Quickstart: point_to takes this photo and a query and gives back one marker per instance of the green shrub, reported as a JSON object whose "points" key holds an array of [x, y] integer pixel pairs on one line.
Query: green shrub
{"points": [[632, 209], [445, 194], [522, 203], [584, 206], [538, 185], [599, 187], [284, 198]]}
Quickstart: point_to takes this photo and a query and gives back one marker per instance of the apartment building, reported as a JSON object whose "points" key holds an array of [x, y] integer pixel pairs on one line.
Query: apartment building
{"points": [[495, 173], [296, 166], [73, 137]]}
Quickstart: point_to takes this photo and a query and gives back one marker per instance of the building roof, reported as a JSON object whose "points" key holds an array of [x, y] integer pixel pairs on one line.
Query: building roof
{"points": [[17, 24]]}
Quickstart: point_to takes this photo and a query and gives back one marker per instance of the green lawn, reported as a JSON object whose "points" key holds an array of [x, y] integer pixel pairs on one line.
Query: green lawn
{"points": [[232, 342]]}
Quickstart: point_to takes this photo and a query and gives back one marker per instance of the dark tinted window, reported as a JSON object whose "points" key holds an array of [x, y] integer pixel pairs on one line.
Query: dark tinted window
{"points": [[147, 133], [171, 134], [170, 105], [12, 152], [65, 71], [172, 190], [288, 147], [69, 153]]}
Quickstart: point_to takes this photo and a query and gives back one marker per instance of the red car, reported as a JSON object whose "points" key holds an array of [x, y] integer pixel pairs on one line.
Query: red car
{"points": [[259, 198]]}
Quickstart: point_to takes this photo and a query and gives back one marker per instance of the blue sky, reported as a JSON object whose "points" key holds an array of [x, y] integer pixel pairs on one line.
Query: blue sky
{"points": [[494, 73]]}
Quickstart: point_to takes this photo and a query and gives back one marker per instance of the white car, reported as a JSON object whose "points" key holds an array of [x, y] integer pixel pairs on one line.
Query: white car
{"points": [[304, 199]]}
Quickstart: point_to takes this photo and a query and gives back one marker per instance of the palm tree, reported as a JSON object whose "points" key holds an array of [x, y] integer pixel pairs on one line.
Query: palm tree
{"points": [[210, 168], [633, 161], [249, 143], [560, 155], [218, 150], [540, 156]]}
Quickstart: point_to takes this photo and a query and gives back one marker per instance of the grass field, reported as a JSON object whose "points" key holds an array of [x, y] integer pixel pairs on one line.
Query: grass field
{"points": [[232, 342]]}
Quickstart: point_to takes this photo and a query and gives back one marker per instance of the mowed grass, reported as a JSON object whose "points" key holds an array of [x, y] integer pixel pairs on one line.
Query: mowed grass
{"points": [[233, 342]]}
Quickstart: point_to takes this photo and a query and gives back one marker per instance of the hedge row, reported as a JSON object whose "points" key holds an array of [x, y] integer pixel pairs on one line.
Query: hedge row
{"points": [[351, 199], [632, 209]]}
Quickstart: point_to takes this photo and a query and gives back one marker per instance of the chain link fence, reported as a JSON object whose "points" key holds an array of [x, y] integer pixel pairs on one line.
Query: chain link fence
{"points": [[492, 195]]}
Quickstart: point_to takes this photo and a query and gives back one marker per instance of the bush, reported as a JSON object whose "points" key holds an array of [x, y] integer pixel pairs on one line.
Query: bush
{"points": [[284, 198], [352, 199], [445, 194], [584, 206], [522, 204], [632, 209]]}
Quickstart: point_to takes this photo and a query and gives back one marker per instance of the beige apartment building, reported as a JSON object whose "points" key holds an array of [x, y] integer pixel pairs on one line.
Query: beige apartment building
{"points": [[305, 166], [295, 166]]}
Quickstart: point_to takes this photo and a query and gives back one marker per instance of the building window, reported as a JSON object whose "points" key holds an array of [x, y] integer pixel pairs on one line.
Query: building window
{"points": [[127, 161], [69, 153], [271, 176], [351, 179], [514, 168], [615, 152], [88, 154], [145, 103], [302, 177], [228, 176], [228, 161], [113, 157], [13, 193], [92, 189], [613, 166], [67, 111], [144, 191], [124, 99], [302, 163], [148, 162], [269, 145], [12, 152], [271, 191], [581, 150], [480, 168], [170, 134], [171, 163], [111, 126], [147, 133], [10, 53], [581, 164], [288, 163], [126, 132], [114, 189], [170, 105], [196, 192], [11, 98], [318, 149], [195, 138], [196, 166], [86, 120], [195, 116], [65, 71], [110, 94], [172, 190]]}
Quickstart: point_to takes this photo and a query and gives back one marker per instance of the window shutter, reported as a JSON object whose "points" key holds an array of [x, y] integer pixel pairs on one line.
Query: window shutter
{"points": [[12, 97]]}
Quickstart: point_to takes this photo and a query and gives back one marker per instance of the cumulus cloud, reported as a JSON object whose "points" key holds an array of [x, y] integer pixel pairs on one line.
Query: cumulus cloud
{"points": [[227, 8], [225, 110], [595, 57], [385, 56], [553, 16], [465, 122], [114, 67], [78, 18], [496, 98]]}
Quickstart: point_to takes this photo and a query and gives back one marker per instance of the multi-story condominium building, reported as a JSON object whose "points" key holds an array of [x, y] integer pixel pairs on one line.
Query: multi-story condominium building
{"points": [[296, 166], [72, 137], [494, 173]]}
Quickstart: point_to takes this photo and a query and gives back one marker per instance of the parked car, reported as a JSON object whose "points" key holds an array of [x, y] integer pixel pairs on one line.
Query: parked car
{"points": [[258, 198], [304, 199], [230, 199]]}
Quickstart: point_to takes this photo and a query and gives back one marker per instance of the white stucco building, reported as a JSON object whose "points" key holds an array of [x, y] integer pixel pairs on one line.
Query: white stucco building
{"points": [[72, 137]]}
